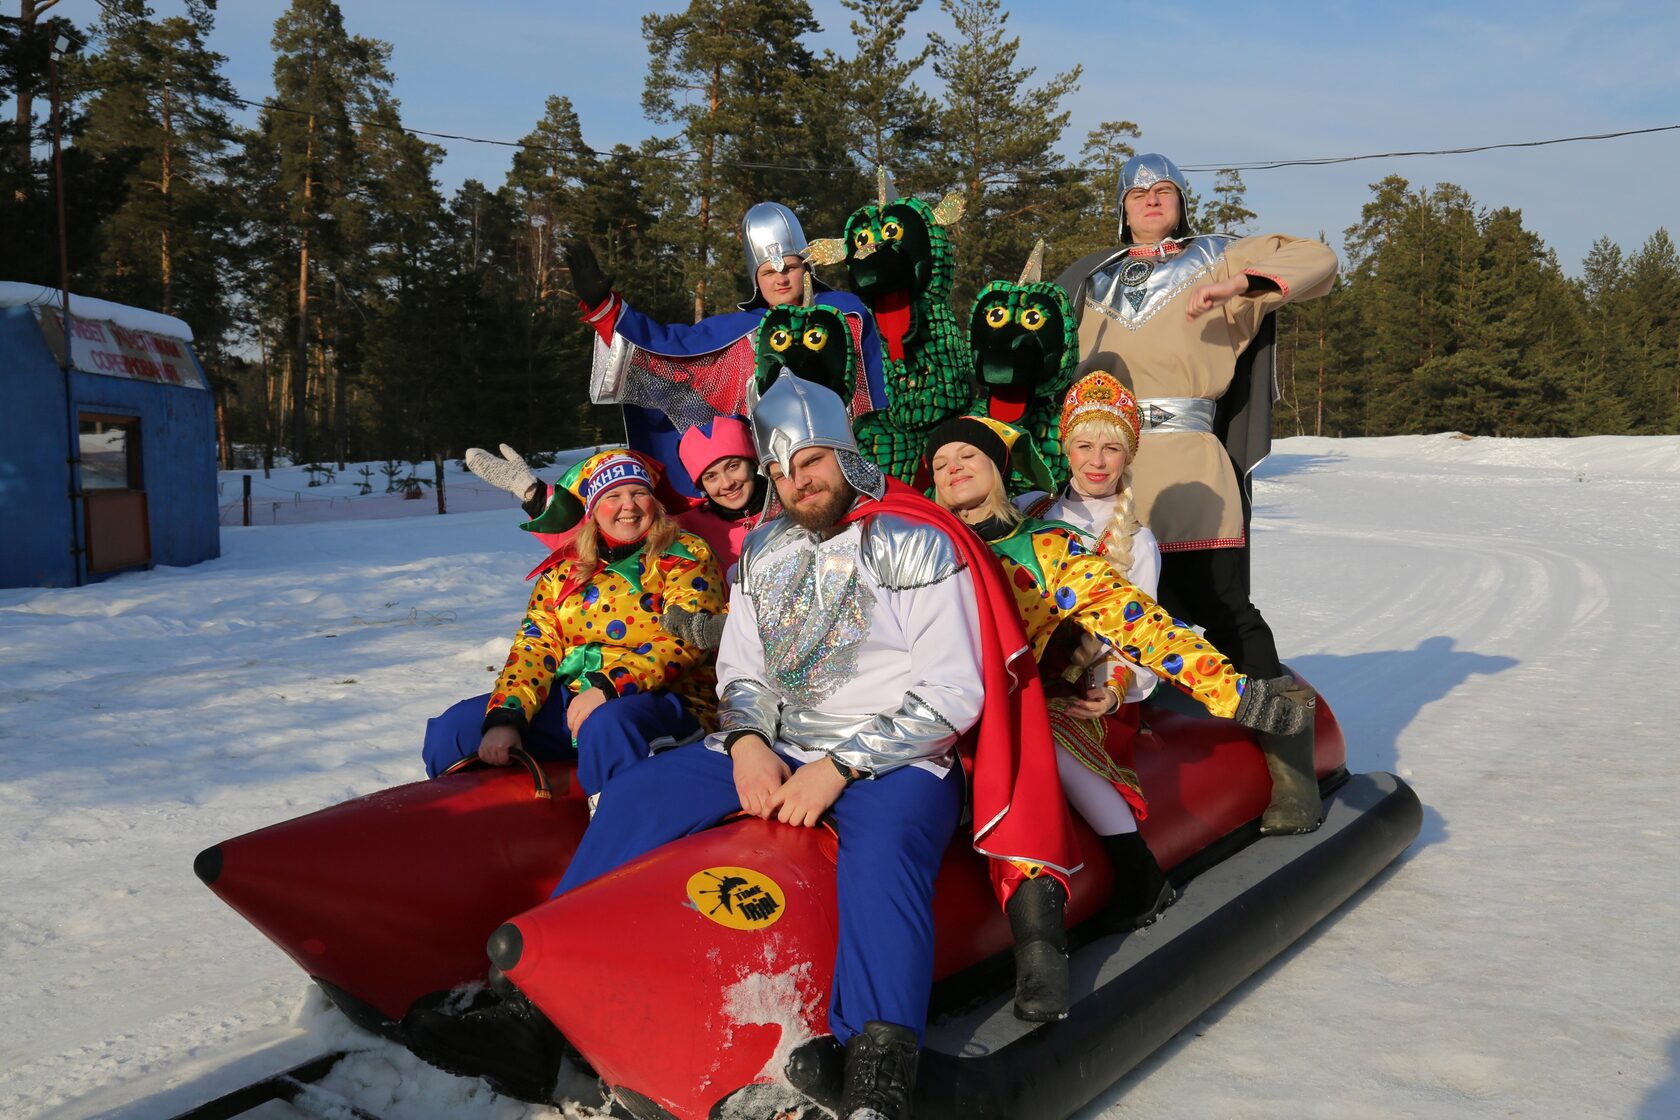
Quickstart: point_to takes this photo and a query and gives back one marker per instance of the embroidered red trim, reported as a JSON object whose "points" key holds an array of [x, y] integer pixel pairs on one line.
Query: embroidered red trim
{"points": [[1192, 546], [1283, 285], [1163, 250]]}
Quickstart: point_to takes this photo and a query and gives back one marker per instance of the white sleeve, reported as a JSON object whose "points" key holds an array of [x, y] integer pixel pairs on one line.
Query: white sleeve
{"points": [[941, 628], [1145, 575], [1024, 501], [942, 625], [746, 700]]}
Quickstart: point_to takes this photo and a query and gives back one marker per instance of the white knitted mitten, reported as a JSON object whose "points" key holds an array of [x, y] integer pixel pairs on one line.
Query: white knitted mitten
{"points": [[508, 472]]}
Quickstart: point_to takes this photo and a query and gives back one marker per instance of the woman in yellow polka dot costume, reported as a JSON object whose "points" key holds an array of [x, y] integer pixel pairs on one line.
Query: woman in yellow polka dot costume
{"points": [[592, 673], [1057, 580]]}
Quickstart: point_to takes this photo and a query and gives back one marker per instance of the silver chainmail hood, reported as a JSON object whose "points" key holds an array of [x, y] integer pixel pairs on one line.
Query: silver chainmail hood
{"points": [[1143, 172], [794, 414]]}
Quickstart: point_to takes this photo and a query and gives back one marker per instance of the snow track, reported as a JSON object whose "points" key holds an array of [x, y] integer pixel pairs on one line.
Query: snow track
{"points": [[1493, 620]]}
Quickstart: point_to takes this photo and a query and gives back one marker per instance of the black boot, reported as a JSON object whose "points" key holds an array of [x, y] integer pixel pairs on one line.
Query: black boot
{"points": [[1141, 892], [880, 1072], [1296, 806], [1041, 965], [817, 1068], [509, 1043]]}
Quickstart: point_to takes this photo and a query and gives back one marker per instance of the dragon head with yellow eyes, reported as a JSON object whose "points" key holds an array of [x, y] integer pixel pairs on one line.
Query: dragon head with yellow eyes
{"points": [[1025, 347], [813, 341], [898, 253]]}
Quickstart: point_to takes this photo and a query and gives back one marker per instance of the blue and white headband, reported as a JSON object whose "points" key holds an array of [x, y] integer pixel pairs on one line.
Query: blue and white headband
{"points": [[619, 470]]}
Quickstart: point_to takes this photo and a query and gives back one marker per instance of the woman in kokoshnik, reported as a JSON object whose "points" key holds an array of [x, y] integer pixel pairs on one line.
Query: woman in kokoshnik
{"points": [[1176, 314], [1099, 431], [1056, 579], [593, 674]]}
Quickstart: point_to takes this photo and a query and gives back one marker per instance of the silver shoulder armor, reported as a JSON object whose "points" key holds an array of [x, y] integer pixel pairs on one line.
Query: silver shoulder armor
{"points": [[755, 544], [1130, 290], [902, 554]]}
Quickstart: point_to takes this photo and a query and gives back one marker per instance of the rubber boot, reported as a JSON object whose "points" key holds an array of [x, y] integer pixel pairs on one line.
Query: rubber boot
{"points": [[1296, 806], [1041, 965], [1141, 891], [881, 1065], [509, 1043]]}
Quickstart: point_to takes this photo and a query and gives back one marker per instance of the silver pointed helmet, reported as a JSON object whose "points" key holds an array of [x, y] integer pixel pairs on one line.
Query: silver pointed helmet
{"points": [[1143, 172], [770, 232], [794, 414]]}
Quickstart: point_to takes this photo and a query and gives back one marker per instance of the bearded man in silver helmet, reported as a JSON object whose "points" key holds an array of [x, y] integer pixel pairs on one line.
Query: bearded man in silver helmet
{"points": [[1182, 319], [849, 666], [868, 632]]}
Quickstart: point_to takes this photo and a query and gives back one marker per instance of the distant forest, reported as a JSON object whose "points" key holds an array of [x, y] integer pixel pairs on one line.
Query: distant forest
{"points": [[347, 309]]}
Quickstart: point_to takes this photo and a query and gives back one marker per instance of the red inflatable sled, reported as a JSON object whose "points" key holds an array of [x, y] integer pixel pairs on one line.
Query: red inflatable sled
{"points": [[689, 977]]}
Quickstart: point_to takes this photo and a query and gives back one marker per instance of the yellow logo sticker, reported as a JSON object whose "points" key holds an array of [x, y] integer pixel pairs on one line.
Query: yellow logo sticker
{"points": [[737, 897]]}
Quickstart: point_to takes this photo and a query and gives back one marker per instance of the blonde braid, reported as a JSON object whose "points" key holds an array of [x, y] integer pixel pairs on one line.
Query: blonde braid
{"points": [[1122, 527]]}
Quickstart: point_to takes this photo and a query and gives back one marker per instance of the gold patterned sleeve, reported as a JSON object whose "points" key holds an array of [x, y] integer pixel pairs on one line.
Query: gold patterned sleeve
{"points": [[532, 663], [644, 655], [1087, 589], [692, 582]]}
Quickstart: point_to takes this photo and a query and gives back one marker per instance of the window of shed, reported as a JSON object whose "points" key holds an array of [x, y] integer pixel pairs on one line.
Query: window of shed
{"points": [[110, 449]]}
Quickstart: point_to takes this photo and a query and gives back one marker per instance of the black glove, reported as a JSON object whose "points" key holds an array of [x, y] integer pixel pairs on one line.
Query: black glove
{"points": [[591, 284], [1280, 705]]}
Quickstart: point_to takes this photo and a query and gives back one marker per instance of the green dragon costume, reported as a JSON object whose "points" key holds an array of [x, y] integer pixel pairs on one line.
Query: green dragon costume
{"points": [[901, 263], [817, 343], [811, 340], [1025, 345]]}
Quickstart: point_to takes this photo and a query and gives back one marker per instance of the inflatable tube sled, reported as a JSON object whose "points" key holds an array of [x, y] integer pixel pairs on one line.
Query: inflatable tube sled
{"points": [[694, 981]]}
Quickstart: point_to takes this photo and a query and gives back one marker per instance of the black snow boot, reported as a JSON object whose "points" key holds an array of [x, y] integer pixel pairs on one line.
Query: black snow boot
{"points": [[510, 1044], [1296, 806], [880, 1072], [1141, 892], [1041, 964]]}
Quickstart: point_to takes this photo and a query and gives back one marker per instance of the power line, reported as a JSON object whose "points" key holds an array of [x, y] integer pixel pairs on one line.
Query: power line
{"points": [[1263, 165], [1326, 161]]}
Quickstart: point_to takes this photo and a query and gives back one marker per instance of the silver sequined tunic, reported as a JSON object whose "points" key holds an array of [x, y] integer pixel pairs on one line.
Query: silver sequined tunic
{"points": [[862, 646]]}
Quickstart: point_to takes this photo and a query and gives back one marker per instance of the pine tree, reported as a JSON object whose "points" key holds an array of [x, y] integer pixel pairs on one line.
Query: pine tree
{"points": [[1226, 212], [886, 119], [1599, 405], [161, 108], [1651, 320], [393, 312], [737, 80], [999, 138], [25, 67], [28, 187], [323, 76], [1320, 390], [1106, 150]]}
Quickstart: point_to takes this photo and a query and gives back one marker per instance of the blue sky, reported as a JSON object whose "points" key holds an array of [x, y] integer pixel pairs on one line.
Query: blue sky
{"points": [[1208, 82]]}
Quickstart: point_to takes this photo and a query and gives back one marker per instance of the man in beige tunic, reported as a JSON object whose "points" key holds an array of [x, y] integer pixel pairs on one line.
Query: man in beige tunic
{"points": [[1171, 313]]}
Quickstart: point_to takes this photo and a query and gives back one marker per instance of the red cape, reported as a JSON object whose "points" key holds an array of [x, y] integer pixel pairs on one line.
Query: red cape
{"points": [[1020, 813]]}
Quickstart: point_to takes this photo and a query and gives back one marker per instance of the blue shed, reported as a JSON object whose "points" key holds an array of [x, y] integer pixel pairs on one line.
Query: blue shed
{"points": [[110, 466]]}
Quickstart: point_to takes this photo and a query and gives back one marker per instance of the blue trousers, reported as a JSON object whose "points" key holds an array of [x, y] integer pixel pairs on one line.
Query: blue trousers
{"points": [[893, 833], [618, 734]]}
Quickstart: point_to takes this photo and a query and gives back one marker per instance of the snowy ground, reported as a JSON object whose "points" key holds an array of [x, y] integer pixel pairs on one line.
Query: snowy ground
{"points": [[1494, 620]]}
